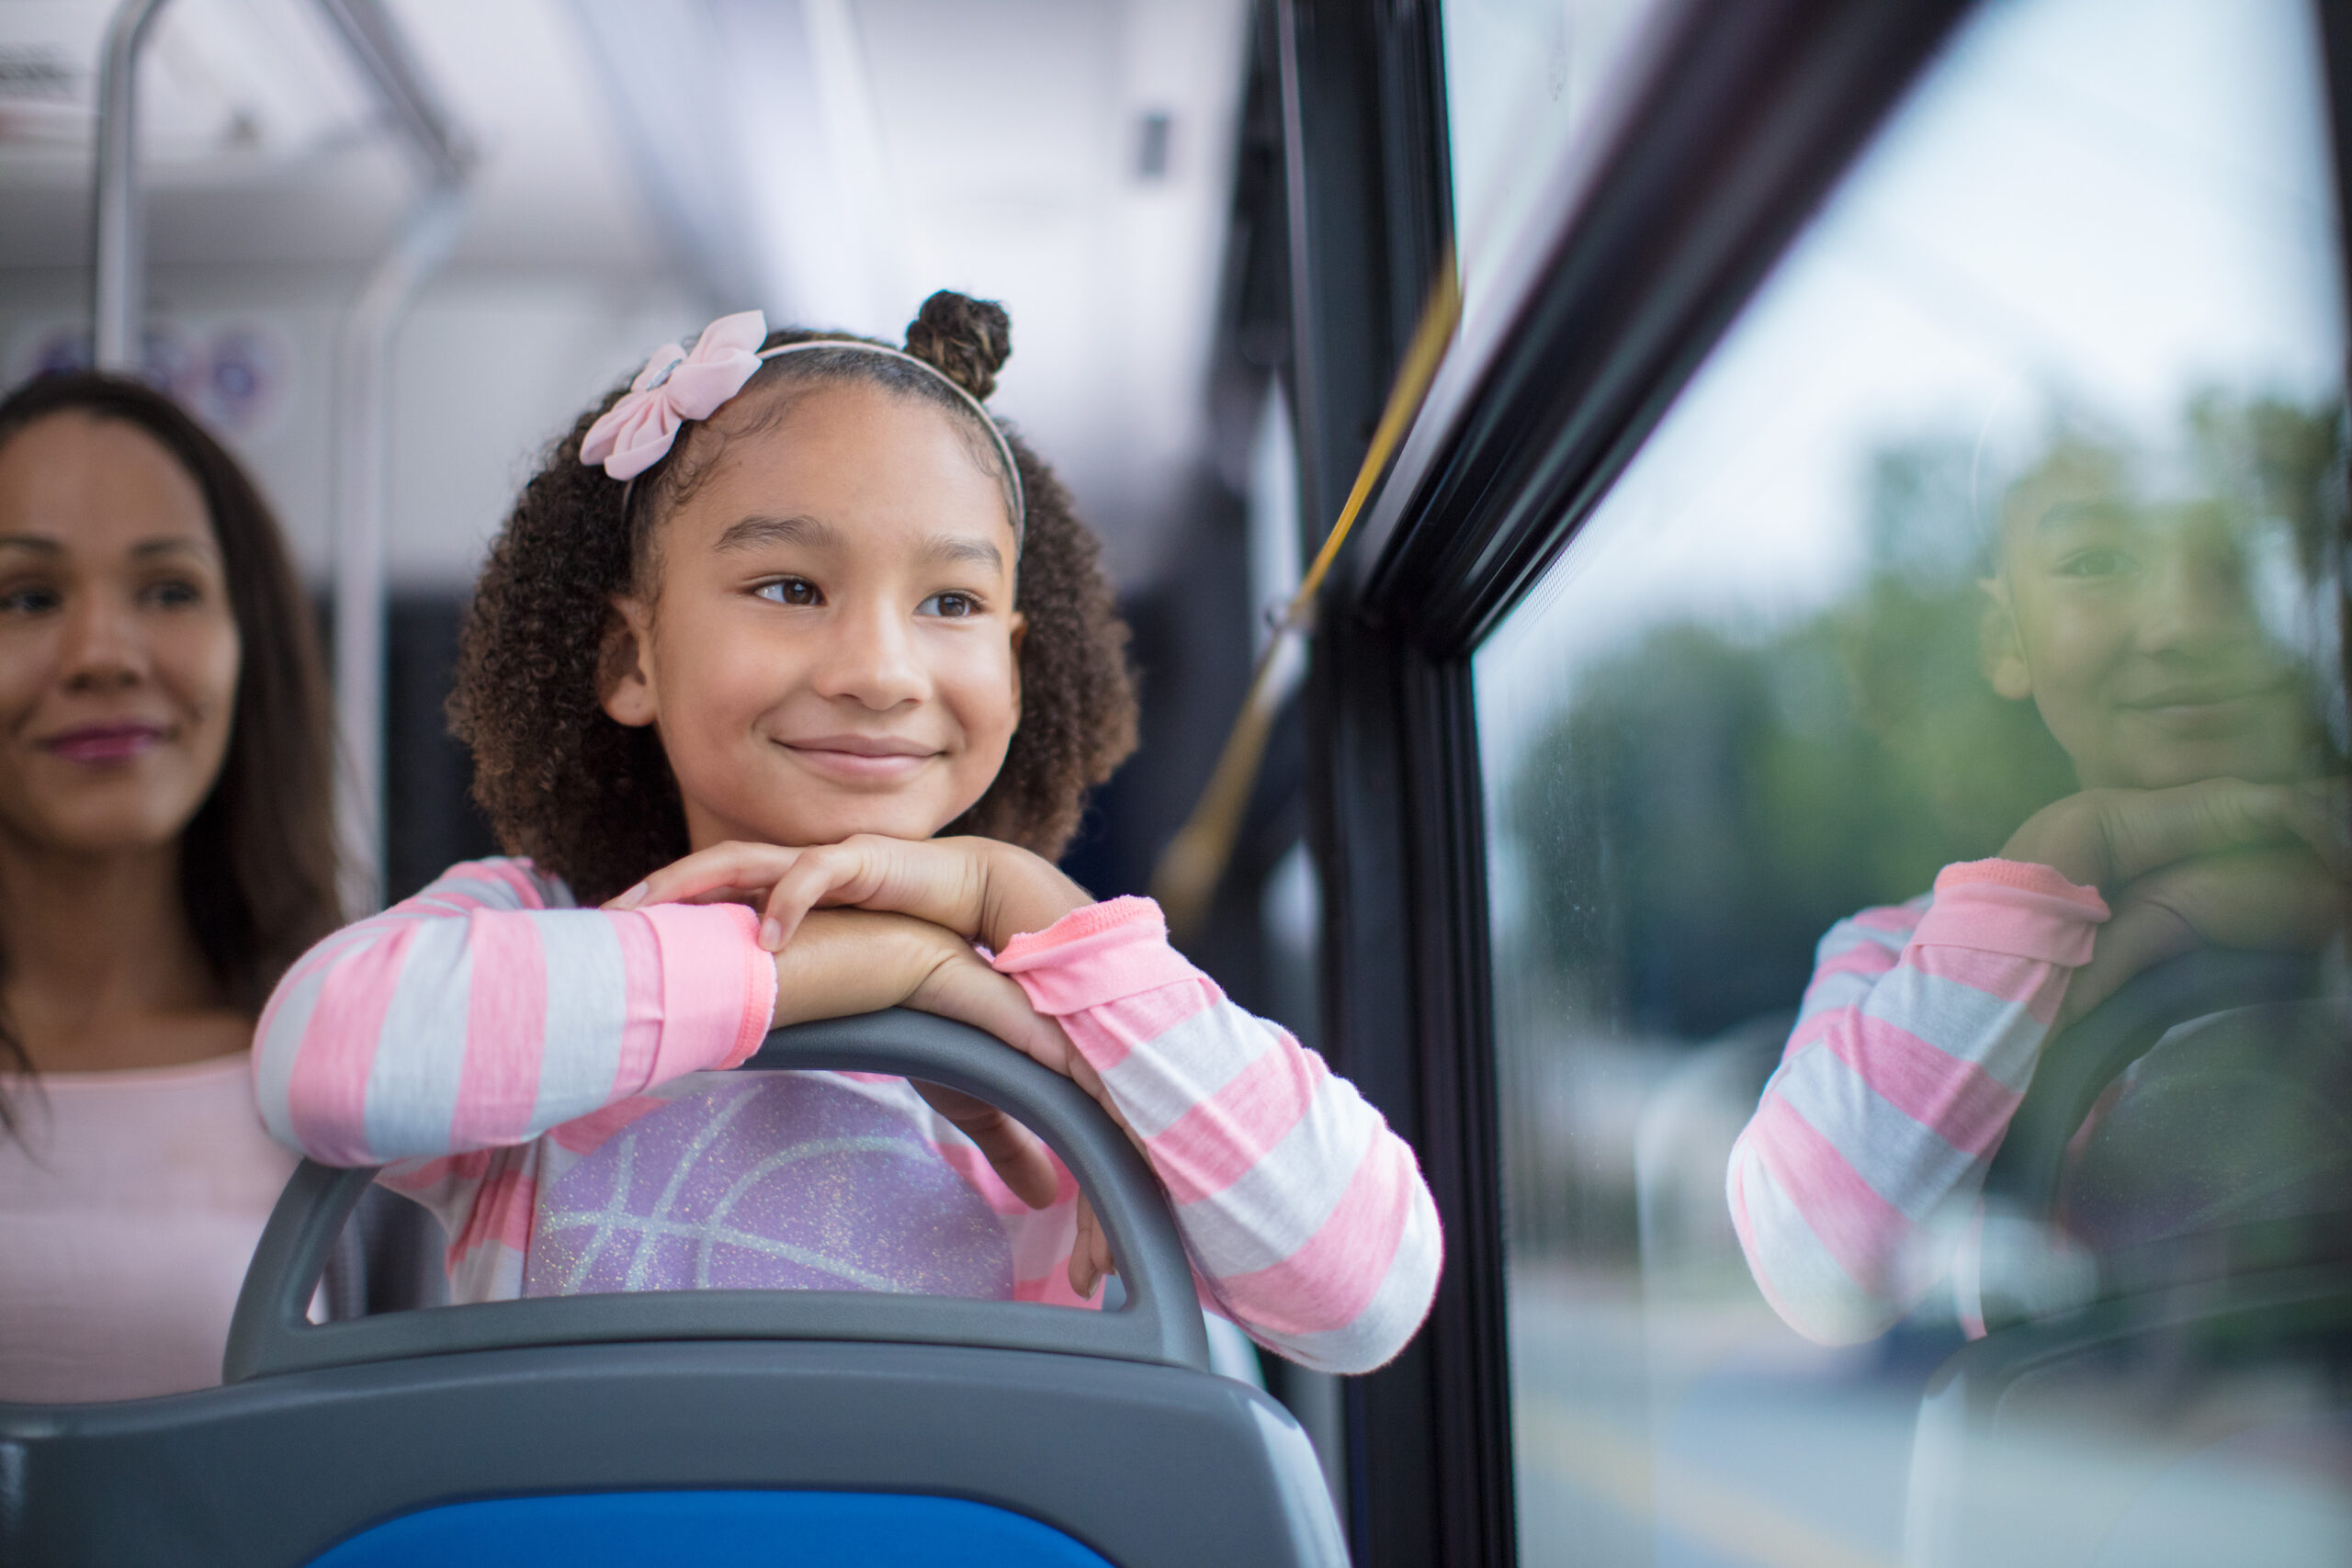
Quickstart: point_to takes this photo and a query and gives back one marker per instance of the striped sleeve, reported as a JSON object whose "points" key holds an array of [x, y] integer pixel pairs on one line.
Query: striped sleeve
{"points": [[1915, 1041], [485, 1011], [1306, 1217]]}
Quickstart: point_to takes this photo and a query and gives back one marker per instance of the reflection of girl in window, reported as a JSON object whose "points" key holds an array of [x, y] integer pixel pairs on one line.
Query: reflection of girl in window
{"points": [[2134, 629]]}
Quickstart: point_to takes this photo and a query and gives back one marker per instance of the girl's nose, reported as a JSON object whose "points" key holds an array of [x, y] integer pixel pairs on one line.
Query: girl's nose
{"points": [[2199, 606], [871, 660], [102, 649]]}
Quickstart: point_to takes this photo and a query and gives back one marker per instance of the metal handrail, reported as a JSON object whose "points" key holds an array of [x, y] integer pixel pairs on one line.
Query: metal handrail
{"points": [[117, 293], [363, 363], [118, 302], [381, 50], [363, 374], [362, 431]]}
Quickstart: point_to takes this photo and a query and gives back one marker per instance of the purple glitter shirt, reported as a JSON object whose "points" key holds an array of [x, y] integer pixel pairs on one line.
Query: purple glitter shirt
{"points": [[773, 1181]]}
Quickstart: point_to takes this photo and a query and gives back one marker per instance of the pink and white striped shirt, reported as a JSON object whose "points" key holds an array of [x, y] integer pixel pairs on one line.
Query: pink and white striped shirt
{"points": [[1917, 1037], [544, 1078]]}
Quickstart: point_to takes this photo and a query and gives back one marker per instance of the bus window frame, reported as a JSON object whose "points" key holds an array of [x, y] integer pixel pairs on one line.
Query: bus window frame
{"points": [[1361, 210], [1735, 122]]}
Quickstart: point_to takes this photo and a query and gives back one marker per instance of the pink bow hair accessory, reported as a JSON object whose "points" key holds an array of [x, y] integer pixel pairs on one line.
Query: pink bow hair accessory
{"points": [[635, 433]]}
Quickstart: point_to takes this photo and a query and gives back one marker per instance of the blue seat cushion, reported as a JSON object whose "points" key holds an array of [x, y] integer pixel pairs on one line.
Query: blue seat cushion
{"points": [[713, 1529]]}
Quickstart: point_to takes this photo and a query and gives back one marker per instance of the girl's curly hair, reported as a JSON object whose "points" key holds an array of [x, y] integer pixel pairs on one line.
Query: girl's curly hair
{"points": [[594, 801]]}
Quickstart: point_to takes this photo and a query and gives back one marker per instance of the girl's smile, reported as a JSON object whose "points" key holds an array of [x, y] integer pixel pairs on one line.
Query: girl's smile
{"points": [[2206, 712], [106, 745], [852, 758]]}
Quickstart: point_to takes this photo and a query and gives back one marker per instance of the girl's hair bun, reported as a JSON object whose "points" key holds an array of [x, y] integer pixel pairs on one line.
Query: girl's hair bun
{"points": [[968, 340]]}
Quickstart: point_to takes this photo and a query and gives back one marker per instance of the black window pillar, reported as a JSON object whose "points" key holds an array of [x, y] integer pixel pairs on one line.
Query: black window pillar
{"points": [[1392, 780], [1737, 118]]}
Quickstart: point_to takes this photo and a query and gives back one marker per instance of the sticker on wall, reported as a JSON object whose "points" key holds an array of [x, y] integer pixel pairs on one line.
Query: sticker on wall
{"points": [[234, 373], [245, 366]]}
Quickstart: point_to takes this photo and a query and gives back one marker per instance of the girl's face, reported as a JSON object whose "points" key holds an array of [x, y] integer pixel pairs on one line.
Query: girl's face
{"points": [[830, 645], [2134, 630], [118, 652]]}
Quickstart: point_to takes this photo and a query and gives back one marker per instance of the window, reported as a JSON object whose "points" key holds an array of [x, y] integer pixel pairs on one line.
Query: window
{"points": [[1522, 75], [2023, 474]]}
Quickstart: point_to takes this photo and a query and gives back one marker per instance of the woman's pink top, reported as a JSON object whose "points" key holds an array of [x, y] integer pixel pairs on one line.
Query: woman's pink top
{"points": [[129, 1208], [542, 1077], [1916, 1042]]}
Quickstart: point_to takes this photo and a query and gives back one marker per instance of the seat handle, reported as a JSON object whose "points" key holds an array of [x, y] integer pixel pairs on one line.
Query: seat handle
{"points": [[1158, 1322], [2077, 1065]]}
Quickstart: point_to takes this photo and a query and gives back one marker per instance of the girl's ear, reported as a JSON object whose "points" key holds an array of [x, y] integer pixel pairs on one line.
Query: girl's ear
{"points": [[625, 684], [1019, 635], [1999, 651]]}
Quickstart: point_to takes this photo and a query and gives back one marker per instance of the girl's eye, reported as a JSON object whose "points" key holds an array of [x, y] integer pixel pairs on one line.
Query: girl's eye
{"points": [[796, 591], [2099, 561], [29, 601], [174, 594], [954, 606]]}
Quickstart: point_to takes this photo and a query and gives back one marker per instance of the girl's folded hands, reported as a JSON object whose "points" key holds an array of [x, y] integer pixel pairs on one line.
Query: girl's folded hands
{"points": [[982, 889], [2109, 839]]}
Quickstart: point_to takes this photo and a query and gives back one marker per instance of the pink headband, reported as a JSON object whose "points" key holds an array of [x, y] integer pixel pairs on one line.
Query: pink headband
{"points": [[676, 386]]}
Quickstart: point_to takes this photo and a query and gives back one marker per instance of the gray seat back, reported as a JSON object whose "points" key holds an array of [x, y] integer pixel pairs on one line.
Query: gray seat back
{"points": [[1105, 1425]]}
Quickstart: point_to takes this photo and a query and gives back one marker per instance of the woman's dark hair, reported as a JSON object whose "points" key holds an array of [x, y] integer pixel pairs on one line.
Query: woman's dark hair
{"points": [[594, 801], [257, 860]]}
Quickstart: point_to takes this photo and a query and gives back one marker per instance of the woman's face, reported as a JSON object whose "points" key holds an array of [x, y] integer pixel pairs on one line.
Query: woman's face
{"points": [[118, 653], [831, 644]]}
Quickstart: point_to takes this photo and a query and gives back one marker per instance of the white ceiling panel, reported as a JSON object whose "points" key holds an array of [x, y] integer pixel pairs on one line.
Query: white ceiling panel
{"points": [[831, 160]]}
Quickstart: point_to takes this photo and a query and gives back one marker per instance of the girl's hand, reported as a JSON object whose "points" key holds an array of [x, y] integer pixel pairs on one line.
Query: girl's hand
{"points": [[852, 963], [1091, 1258], [1016, 1153], [2108, 839], [2272, 900], [844, 962], [979, 888], [961, 991], [1019, 1158]]}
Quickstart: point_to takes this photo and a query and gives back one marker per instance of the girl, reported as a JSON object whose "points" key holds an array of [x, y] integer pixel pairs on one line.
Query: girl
{"points": [[165, 853], [765, 624], [2134, 631]]}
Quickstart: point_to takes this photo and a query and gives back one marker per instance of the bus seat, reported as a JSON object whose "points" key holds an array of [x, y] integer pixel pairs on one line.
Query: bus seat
{"points": [[2208, 1221], [387, 1259], [706, 1427], [718, 1530], [2049, 1444]]}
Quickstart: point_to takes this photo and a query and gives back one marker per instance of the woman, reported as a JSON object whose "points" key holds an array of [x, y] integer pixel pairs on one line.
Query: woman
{"points": [[165, 850]]}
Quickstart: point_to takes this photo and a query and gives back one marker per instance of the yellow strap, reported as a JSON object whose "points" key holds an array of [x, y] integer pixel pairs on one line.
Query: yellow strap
{"points": [[1193, 864]]}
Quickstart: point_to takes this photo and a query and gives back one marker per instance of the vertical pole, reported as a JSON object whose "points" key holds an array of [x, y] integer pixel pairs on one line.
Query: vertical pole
{"points": [[363, 371], [363, 411], [117, 291], [1314, 1397], [362, 440]]}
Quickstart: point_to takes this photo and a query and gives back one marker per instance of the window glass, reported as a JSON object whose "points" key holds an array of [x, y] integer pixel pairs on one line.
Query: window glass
{"points": [[1916, 860], [1522, 77]]}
